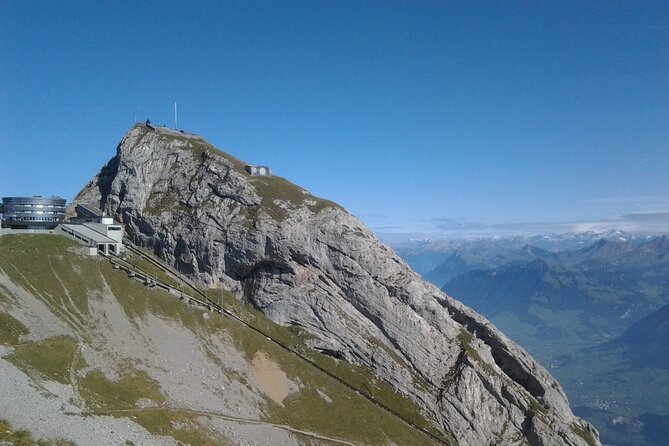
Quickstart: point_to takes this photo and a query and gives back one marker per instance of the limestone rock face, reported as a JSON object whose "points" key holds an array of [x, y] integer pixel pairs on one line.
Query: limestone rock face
{"points": [[305, 261]]}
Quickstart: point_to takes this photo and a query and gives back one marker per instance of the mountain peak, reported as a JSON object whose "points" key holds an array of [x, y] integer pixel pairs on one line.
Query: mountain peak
{"points": [[306, 262]]}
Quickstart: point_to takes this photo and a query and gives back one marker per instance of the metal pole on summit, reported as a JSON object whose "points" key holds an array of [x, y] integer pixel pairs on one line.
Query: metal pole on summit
{"points": [[175, 116]]}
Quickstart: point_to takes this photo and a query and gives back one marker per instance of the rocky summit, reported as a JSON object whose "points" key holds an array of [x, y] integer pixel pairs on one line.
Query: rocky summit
{"points": [[305, 262]]}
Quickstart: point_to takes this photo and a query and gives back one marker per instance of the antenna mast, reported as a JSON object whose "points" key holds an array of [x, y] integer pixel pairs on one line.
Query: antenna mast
{"points": [[175, 115]]}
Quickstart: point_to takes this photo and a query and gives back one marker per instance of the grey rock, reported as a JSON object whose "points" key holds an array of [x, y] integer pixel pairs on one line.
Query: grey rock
{"points": [[305, 261]]}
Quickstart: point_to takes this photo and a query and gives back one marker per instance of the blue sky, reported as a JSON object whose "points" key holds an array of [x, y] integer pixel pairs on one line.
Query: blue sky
{"points": [[417, 116]]}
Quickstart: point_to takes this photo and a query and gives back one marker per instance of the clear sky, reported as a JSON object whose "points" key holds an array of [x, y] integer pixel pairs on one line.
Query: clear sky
{"points": [[417, 116]]}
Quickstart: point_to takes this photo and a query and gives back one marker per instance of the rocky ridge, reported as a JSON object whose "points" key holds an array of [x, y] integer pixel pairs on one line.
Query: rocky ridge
{"points": [[307, 263]]}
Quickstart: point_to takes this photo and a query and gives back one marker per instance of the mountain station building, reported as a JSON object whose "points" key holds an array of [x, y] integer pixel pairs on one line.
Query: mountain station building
{"points": [[91, 227], [95, 230]]}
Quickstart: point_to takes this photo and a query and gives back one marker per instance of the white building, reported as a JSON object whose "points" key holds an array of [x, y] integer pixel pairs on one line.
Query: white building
{"points": [[95, 230]]}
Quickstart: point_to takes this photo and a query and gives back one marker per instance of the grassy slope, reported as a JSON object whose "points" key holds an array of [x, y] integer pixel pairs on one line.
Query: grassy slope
{"points": [[65, 285], [10, 436]]}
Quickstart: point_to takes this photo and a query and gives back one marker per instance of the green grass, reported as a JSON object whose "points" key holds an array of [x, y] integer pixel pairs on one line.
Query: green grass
{"points": [[584, 434], [151, 269], [182, 426], [100, 393], [10, 436], [28, 243], [10, 329], [48, 266], [138, 301], [466, 338], [367, 383], [276, 188], [51, 358], [119, 398]]}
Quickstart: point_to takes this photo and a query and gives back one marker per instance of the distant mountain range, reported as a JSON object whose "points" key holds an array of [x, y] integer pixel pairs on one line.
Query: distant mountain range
{"points": [[580, 298], [594, 311], [427, 254]]}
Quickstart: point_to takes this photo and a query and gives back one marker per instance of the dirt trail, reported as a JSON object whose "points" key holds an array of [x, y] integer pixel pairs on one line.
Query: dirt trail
{"points": [[225, 417]]}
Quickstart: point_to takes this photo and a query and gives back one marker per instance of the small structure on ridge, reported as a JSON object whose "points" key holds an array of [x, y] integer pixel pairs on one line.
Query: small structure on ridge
{"points": [[259, 171]]}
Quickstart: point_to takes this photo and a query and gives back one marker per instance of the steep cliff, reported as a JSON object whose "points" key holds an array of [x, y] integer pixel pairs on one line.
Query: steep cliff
{"points": [[306, 262]]}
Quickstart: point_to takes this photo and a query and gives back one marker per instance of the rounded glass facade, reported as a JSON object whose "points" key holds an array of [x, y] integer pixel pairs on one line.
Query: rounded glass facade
{"points": [[32, 212]]}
